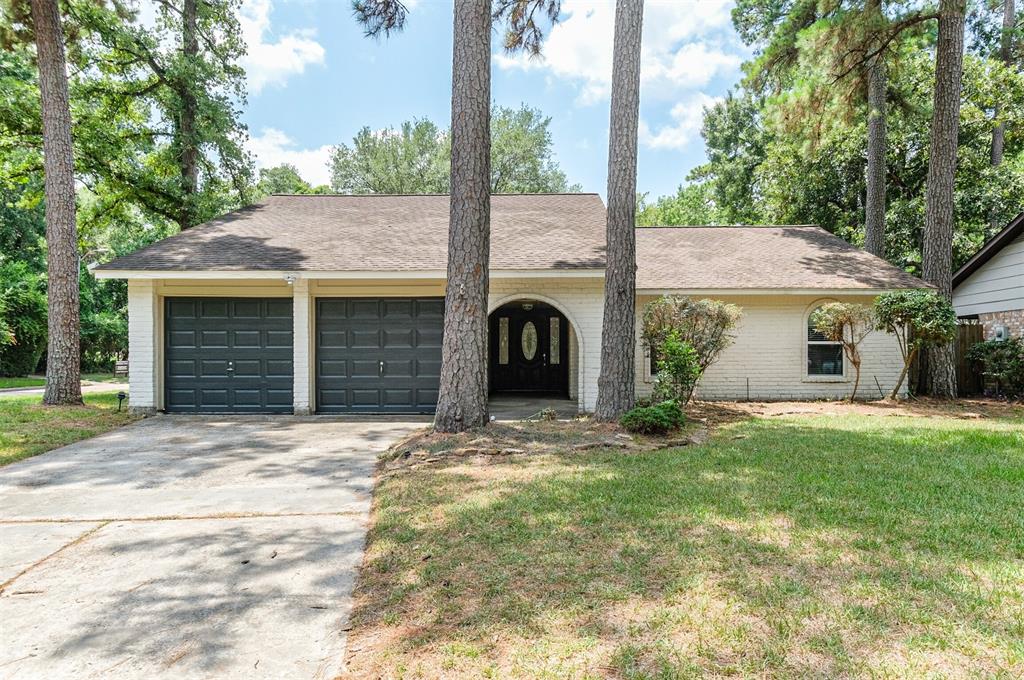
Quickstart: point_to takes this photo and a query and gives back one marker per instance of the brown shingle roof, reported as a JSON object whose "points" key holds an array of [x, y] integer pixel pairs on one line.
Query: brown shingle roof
{"points": [[700, 258], [380, 233]]}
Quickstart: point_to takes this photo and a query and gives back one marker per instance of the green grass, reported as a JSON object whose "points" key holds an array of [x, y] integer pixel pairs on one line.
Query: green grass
{"points": [[31, 381], [822, 546], [28, 428], [40, 381]]}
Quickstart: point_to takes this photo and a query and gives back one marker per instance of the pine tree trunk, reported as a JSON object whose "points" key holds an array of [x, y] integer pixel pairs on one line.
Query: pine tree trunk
{"points": [[999, 131], [938, 225], [462, 402], [616, 384], [62, 350], [188, 148], [874, 219]]}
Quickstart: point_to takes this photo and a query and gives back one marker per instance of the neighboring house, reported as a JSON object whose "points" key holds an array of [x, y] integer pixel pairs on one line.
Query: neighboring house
{"points": [[334, 304], [990, 286]]}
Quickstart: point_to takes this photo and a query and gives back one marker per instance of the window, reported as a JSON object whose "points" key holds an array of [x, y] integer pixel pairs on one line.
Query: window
{"points": [[528, 341], [503, 340], [555, 340], [824, 357]]}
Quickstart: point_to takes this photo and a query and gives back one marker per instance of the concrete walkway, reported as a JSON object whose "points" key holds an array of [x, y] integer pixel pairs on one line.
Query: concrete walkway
{"points": [[187, 547]]}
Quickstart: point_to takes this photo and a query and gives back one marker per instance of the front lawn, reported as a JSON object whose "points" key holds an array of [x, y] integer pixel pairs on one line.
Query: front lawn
{"points": [[792, 545], [28, 428]]}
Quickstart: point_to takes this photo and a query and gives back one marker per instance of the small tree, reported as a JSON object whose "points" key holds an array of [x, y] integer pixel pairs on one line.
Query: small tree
{"points": [[703, 325], [1004, 363], [678, 370], [918, 319], [848, 324]]}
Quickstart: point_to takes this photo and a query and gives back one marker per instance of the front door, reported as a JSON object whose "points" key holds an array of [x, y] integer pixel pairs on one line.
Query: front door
{"points": [[529, 349]]}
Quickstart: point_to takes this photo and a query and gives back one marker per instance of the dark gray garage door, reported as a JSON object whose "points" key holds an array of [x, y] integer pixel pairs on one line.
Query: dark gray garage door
{"points": [[378, 355], [228, 355]]}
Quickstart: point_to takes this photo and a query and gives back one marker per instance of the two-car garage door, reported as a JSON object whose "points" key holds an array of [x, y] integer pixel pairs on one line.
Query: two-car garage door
{"points": [[235, 355]]}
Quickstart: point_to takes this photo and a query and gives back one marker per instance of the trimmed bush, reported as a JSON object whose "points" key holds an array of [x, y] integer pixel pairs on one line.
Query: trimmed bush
{"points": [[660, 418], [1003, 362]]}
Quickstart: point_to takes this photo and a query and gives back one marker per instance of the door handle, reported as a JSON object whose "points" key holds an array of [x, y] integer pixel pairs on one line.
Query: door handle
{"points": [[380, 372], [231, 367]]}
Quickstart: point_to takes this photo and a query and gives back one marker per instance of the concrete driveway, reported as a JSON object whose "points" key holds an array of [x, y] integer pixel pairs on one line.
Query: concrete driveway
{"points": [[187, 547]]}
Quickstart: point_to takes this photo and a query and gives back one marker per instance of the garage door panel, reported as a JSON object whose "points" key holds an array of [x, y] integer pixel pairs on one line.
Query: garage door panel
{"points": [[355, 336], [228, 355]]}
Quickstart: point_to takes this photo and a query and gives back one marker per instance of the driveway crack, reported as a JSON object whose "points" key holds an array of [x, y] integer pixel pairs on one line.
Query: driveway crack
{"points": [[6, 584]]}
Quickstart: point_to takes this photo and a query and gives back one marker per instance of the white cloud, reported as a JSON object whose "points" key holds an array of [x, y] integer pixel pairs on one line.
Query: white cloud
{"points": [[269, 61], [273, 147], [687, 117], [677, 53]]}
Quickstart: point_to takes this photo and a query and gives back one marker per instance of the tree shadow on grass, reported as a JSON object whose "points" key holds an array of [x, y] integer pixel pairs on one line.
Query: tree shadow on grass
{"points": [[875, 533]]}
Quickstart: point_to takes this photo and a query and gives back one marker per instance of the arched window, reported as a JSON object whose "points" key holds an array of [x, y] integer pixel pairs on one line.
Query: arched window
{"points": [[824, 357]]}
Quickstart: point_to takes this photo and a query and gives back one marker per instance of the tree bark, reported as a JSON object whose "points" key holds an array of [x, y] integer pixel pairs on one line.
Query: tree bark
{"points": [[937, 256], [462, 402], [188, 147], [874, 219], [616, 383], [62, 349], [999, 131]]}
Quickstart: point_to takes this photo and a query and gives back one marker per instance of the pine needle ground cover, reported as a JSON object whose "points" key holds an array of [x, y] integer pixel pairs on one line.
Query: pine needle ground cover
{"points": [[793, 545]]}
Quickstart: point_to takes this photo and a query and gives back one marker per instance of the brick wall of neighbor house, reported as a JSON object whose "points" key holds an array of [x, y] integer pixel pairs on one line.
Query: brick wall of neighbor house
{"points": [[582, 302], [770, 351], [1013, 319]]}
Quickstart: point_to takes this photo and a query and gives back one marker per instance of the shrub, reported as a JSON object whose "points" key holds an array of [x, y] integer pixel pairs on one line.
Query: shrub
{"points": [[660, 418], [849, 324], [918, 318], [678, 370], [1003, 362], [23, 305], [703, 325]]}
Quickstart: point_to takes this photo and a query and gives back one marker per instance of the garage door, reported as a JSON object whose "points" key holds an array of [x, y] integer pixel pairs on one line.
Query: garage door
{"points": [[378, 355], [228, 355]]}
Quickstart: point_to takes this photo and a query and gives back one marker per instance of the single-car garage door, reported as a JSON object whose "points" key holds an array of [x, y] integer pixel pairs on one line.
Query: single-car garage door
{"points": [[378, 355], [228, 355]]}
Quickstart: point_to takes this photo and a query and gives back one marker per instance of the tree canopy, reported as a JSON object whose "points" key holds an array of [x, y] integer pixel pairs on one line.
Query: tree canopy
{"points": [[414, 158]]}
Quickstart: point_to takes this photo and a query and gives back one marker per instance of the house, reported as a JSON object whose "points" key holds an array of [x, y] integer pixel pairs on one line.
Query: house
{"points": [[990, 285], [334, 304]]}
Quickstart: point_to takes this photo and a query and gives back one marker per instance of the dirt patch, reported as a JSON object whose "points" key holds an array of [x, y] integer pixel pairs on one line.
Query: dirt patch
{"points": [[968, 409], [425, 446]]}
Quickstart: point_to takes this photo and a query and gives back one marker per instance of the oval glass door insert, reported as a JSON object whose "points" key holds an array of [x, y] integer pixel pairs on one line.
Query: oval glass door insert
{"points": [[529, 340]]}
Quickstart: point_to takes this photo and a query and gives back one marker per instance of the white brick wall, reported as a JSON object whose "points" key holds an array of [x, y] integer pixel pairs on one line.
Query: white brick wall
{"points": [[582, 302], [770, 352], [143, 324], [303, 366]]}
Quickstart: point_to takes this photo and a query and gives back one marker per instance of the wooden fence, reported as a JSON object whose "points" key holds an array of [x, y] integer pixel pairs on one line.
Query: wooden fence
{"points": [[969, 381]]}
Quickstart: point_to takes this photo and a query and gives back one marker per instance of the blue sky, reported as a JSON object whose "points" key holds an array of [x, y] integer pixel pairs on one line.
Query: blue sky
{"points": [[314, 80]]}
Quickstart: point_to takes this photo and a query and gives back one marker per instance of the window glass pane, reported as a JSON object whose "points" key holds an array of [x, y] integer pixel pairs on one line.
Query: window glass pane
{"points": [[824, 359], [555, 340], [813, 335], [503, 340], [528, 341]]}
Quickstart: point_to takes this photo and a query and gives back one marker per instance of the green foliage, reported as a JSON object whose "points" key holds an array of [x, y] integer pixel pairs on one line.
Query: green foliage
{"points": [[678, 370], [416, 158], [660, 418], [283, 179], [22, 319], [1003, 362], [704, 325], [846, 323], [692, 204], [918, 319], [788, 145]]}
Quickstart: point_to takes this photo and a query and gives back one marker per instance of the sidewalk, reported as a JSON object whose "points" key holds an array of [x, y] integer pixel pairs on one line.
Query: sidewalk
{"points": [[87, 387]]}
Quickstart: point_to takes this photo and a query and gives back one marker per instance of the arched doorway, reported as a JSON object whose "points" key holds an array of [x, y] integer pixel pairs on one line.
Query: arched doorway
{"points": [[529, 349]]}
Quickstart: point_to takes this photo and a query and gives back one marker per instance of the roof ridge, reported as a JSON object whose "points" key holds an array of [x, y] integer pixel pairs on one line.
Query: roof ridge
{"points": [[731, 226]]}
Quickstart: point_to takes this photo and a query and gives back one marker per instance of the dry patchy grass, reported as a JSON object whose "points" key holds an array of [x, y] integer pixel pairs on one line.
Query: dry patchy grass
{"points": [[821, 545]]}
